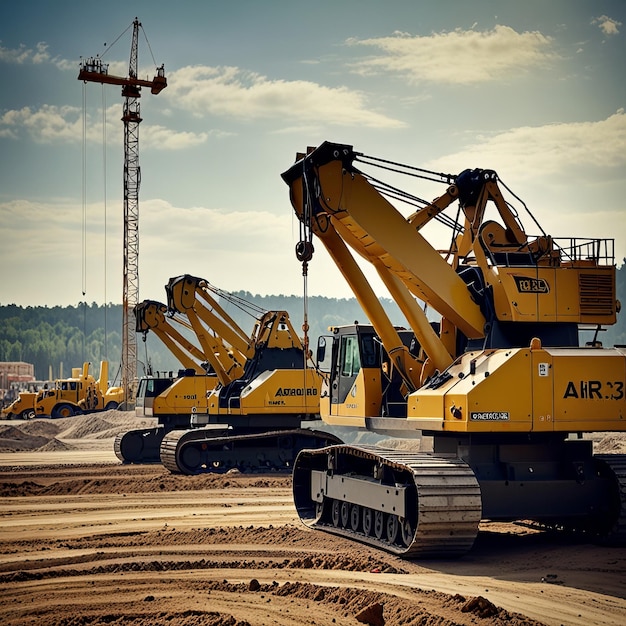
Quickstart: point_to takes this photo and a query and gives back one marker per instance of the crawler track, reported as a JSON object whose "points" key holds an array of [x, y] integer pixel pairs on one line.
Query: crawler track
{"points": [[410, 504], [200, 451], [139, 446], [606, 522], [616, 533]]}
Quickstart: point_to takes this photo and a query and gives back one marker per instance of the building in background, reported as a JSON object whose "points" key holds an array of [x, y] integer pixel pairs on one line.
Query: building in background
{"points": [[15, 375]]}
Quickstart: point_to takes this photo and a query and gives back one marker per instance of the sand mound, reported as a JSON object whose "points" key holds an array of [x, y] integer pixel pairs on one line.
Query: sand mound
{"points": [[40, 427], [50, 435], [612, 443], [13, 438], [85, 427], [56, 445]]}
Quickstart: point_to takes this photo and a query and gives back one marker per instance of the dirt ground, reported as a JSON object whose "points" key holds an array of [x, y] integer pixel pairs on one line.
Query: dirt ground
{"points": [[87, 540]]}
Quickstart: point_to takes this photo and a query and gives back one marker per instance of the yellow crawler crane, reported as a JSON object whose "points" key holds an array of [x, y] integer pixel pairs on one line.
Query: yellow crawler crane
{"points": [[218, 356], [500, 382], [252, 419], [169, 397]]}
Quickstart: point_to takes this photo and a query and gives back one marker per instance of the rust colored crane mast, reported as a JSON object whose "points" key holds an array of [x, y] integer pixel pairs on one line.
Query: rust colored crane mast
{"points": [[94, 70]]}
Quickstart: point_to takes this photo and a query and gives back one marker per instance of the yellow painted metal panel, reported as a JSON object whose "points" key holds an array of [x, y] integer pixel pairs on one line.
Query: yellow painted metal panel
{"points": [[542, 390], [589, 389], [364, 400], [549, 294]]}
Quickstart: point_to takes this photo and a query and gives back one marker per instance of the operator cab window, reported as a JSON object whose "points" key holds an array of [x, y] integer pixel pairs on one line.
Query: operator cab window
{"points": [[350, 357], [369, 354]]}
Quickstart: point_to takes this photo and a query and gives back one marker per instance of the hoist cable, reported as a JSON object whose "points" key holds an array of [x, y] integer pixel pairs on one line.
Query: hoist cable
{"points": [[116, 40], [305, 327], [397, 194], [84, 196], [149, 47], [247, 307], [376, 162], [104, 176], [532, 217]]}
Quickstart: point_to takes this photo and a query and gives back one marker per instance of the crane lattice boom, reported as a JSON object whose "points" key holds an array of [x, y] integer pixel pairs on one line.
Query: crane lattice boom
{"points": [[94, 70]]}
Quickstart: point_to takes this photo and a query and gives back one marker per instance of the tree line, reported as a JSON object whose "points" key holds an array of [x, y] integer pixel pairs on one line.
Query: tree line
{"points": [[57, 339]]}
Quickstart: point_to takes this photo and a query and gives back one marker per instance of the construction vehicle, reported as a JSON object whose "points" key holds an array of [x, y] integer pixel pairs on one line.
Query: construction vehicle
{"points": [[81, 393], [168, 397], [174, 398], [252, 419], [23, 407], [500, 382]]}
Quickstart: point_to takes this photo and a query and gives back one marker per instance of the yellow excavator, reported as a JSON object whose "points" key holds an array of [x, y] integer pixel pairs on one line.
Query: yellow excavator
{"points": [[258, 389], [503, 381], [170, 397]]}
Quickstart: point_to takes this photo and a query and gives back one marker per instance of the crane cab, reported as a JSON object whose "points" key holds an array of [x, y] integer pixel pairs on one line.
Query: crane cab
{"points": [[359, 381]]}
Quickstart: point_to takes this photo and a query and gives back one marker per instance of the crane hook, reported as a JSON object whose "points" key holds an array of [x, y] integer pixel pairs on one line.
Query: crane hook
{"points": [[304, 251]]}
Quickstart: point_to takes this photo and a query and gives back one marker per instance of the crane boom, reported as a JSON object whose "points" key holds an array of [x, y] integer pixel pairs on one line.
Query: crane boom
{"points": [[345, 199], [94, 70], [153, 316]]}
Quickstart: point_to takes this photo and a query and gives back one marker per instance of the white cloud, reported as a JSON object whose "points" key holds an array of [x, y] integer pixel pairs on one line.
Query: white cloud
{"points": [[457, 57], [235, 250], [40, 55], [34, 56], [235, 93], [164, 138], [52, 124], [569, 175], [45, 125], [607, 25], [539, 151], [229, 248], [20, 220], [23, 55]]}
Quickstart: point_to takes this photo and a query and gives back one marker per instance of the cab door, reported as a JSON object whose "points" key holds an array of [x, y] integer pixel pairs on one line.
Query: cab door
{"points": [[347, 368]]}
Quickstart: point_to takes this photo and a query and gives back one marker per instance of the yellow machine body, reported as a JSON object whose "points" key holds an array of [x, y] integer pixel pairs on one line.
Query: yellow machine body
{"points": [[186, 395], [364, 401], [527, 390], [22, 407], [244, 408], [273, 392], [578, 292]]}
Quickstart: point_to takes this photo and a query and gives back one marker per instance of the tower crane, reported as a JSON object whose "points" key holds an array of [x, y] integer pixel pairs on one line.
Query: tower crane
{"points": [[94, 70]]}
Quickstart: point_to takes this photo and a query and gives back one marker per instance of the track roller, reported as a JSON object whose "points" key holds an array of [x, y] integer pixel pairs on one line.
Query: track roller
{"points": [[410, 504], [201, 451]]}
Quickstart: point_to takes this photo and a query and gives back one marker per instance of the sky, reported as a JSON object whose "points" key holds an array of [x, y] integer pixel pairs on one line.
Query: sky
{"points": [[534, 90]]}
